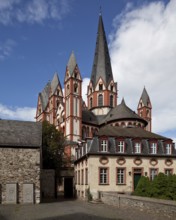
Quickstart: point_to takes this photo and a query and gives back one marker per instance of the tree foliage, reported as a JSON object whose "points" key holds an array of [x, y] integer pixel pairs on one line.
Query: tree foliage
{"points": [[52, 146], [162, 187]]}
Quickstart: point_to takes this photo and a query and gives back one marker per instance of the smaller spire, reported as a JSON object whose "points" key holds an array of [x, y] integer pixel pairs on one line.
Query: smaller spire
{"points": [[145, 97], [123, 101], [72, 63], [100, 13]]}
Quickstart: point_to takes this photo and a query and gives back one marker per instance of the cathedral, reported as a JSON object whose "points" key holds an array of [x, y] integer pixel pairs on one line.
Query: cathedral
{"points": [[110, 145], [68, 111]]}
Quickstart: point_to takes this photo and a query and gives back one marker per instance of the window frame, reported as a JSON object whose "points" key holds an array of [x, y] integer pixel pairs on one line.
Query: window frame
{"points": [[168, 151], [105, 176], [122, 175], [137, 147], [153, 150], [103, 145], [151, 175], [118, 147]]}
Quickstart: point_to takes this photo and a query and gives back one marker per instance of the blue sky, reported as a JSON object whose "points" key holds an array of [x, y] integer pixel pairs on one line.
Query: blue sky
{"points": [[37, 38]]}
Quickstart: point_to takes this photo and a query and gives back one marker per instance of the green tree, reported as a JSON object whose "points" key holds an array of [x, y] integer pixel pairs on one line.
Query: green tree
{"points": [[52, 146]]}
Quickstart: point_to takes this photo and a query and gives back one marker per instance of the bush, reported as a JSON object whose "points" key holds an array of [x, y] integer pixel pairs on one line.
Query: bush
{"points": [[143, 187], [162, 187]]}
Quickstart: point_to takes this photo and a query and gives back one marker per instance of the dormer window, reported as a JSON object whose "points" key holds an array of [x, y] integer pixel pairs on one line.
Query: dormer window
{"points": [[153, 147], [104, 145], [137, 147], [120, 146], [100, 87], [168, 148]]}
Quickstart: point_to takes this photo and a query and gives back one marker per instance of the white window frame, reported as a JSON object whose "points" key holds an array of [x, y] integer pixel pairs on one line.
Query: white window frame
{"points": [[168, 149], [120, 175], [121, 146], [153, 148], [137, 147], [104, 145], [103, 175], [153, 173]]}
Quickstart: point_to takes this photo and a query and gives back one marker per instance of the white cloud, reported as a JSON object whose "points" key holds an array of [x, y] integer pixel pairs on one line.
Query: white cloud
{"points": [[143, 51], [6, 48], [25, 113], [32, 11]]}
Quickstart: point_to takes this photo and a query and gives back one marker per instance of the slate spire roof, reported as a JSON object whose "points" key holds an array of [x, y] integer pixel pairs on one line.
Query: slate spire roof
{"points": [[102, 64], [71, 63], [145, 97]]}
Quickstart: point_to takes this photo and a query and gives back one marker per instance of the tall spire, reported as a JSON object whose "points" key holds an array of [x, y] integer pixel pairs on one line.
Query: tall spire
{"points": [[102, 64]]}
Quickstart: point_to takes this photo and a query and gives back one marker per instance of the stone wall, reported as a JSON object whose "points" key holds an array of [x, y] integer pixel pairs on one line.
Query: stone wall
{"points": [[161, 207], [20, 168]]}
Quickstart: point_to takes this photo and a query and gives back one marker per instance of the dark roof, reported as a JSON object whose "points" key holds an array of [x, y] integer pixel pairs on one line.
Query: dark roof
{"points": [[102, 64], [89, 117], [93, 148], [44, 95], [121, 112], [20, 133], [132, 132], [71, 63], [145, 97]]}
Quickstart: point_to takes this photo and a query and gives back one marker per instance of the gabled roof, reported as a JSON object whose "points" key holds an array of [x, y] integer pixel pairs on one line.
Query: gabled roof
{"points": [[20, 133], [102, 64], [121, 112]]}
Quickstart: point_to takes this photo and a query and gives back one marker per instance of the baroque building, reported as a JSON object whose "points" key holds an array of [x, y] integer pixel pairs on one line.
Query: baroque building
{"points": [[82, 125]]}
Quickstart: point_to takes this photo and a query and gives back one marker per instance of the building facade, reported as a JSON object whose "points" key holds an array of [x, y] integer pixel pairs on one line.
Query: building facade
{"points": [[117, 157]]}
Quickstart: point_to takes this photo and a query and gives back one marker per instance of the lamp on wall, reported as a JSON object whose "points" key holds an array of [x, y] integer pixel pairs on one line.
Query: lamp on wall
{"points": [[145, 173], [129, 173]]}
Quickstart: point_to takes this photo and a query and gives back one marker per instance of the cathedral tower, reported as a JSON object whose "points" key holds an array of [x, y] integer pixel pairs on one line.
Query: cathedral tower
{"points": [[73, 100], [145, 109], [102, 91]]}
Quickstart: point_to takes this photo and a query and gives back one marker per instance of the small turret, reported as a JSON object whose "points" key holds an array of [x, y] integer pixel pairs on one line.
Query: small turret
{"points": [[145, 109]]}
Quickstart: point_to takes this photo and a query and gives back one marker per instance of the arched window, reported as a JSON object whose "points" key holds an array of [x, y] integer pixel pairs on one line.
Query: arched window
{"points": [[112, 88], [111, 100], [91, 102], [75, 88], [100, 100]]}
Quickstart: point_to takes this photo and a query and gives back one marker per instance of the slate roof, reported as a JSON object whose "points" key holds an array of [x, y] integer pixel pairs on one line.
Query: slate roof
{"points": [[71, 63], [20, 133], [145, 97], [89, 117], [118, 113], [44, 95], [102, 64], [128, 134], [122, 111]]}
